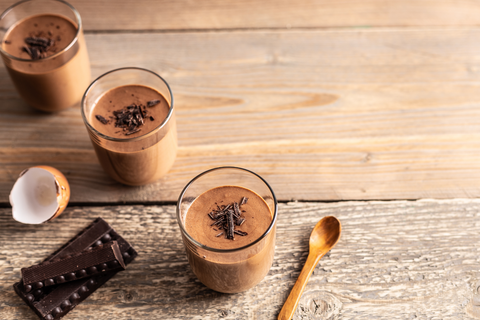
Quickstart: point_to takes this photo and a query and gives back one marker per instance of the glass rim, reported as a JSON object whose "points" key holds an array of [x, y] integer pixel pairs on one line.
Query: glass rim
{"points": [[152, 132], [70, 45], [263, 236]]}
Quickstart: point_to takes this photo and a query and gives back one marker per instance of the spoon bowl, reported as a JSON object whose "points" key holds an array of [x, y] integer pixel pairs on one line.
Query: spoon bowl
{"points": [[323, 238], [325, 234]]}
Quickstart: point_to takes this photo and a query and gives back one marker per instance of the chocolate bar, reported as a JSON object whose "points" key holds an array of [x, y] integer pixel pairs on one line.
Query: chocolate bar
{"points": [[54, 302], [79, 266]]}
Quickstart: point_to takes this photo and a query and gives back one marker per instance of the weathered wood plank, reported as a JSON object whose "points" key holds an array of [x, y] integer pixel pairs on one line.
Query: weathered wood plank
{"points": [[395, 260], [238, 14], [322, 115]]}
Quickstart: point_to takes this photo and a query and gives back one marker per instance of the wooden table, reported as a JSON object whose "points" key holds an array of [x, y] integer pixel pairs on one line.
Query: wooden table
{"points": [[365, 110]]}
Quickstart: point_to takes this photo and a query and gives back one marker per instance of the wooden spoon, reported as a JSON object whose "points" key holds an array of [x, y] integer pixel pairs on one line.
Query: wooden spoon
{"points": [[324, 237]]}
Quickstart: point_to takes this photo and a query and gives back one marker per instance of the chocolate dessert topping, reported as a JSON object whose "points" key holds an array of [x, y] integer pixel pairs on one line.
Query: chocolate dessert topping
{"points": [[42, 43], [101, 119], [244, 201], [37, 47], [152, 103], [130, 118], [227, 217]]}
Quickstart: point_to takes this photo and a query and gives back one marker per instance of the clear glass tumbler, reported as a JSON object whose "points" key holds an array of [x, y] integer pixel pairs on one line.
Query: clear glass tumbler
{"points": [[51, 83], [229, 270], [138, 160]]}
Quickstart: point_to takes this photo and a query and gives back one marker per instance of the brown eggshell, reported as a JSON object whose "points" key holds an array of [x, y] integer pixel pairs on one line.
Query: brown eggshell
{"points": [[35, 199], [63, 189]]}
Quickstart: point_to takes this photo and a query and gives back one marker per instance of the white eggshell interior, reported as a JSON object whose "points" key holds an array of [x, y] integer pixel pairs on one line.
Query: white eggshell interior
{"points": [[34, 196]]}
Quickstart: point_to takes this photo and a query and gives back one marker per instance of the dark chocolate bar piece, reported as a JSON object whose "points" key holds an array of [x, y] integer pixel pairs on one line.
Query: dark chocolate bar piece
{"points": [[54, 302], [78, 266]]}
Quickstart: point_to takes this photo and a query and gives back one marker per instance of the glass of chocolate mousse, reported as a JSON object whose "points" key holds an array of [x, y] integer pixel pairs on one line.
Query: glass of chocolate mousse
{"points": [[44, 52], [227, 217], [130, 118]]}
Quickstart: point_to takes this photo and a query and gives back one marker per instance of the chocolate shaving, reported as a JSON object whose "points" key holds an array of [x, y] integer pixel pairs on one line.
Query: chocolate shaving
{"points": [[152, 103], [37, 46], [140, 112], [230, 226], [130, 118], [101, 119], [43, 43], [219, 222], [244, 201], [132, 132], [237, 210], [7, 42], [28, 50], [226, 217], [240, 221]]}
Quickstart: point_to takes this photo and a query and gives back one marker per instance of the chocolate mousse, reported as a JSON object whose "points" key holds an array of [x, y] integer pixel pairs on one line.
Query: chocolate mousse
{"points": [[127, 114], [129, 111], [238, 270], [49, 28], [50, 66]]}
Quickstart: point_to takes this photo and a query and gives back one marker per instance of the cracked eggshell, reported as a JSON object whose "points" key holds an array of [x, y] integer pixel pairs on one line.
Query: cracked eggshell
{"points": [[40, 194]]}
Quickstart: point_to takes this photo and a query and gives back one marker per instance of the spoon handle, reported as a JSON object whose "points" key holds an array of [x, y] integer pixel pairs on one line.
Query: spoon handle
{"points": [[294, 297]]}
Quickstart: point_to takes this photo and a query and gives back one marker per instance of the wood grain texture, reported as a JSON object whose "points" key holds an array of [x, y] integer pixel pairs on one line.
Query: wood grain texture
{"points": [[322, 115], [324, 236], [395, 260], [248, 14]]}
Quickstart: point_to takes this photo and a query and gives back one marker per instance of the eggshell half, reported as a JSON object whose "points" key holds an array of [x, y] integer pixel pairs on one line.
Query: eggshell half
{"points": [[40, 194]]}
